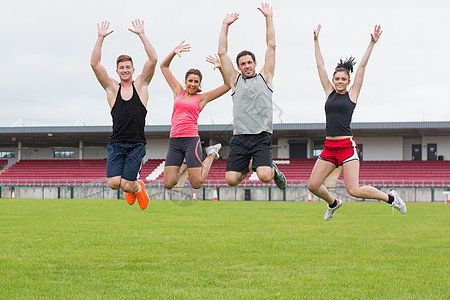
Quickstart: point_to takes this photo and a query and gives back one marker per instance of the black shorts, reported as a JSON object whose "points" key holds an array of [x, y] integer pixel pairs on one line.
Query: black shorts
{"points": [[125, 160], [244, 147], [181, 148]]}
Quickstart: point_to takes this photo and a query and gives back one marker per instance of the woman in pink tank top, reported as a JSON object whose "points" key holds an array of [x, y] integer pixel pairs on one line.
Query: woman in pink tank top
{"points": [[184, 142]]}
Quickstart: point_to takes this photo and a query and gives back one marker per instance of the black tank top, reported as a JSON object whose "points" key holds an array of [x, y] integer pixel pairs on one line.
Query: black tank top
{"points": [[339, 110], [128, 119]]}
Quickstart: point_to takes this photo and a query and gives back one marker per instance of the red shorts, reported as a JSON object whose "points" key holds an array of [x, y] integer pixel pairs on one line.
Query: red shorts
{"points": [[340, 151]]}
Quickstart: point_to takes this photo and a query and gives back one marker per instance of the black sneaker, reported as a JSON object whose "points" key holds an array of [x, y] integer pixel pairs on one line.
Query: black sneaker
{"points": [[278, 177]]}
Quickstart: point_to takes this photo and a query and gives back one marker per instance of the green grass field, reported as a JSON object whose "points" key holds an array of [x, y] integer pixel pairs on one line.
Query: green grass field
{"points": [[234, 250]]}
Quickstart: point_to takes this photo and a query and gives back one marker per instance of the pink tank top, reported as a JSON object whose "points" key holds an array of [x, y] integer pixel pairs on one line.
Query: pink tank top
{"points": [[185, 116]]}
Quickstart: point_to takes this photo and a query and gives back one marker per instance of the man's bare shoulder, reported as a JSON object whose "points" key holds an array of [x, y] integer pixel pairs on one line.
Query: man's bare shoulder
{"points": [[233, 79], [268, 78]]}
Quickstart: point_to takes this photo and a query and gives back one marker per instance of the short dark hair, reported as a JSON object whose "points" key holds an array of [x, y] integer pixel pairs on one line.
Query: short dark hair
{"points": [[122, 58], [244, 53], [345, 65]]}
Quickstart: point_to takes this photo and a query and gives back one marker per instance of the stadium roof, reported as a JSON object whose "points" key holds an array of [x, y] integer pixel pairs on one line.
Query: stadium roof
{"points": [[69, 136]]}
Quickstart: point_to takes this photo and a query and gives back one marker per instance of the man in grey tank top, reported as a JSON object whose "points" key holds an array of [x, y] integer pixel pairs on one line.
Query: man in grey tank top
{"points": [[251, 144]]}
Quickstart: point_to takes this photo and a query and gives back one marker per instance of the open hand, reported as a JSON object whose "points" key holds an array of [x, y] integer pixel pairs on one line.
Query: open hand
{"points": [[316, 32], [376, 33], [138, 26], [266, 10], [103, 29], [230, 18], [214, 60], [182, 48]]}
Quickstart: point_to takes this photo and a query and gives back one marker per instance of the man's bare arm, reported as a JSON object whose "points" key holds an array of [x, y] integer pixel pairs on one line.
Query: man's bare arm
{"points": [[227, 65], [268, 70], [149, 67], [97, 67]]}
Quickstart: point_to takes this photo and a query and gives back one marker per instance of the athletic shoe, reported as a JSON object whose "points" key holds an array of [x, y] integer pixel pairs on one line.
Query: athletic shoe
{"points": [[329, 214], [398, 203], [131, 197], [142, 196], [214, 149], [278, 177]]}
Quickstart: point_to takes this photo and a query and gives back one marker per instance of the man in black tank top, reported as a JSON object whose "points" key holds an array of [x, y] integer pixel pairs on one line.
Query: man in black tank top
{"points": [[128, 102]]}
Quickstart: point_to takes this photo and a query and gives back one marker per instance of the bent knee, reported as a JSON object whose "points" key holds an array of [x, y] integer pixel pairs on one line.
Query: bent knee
{"points": [[169, 183], [114, 184], [168, 186], [196, 185], [232, 182], [128, 187], [312, 187], [354, 192], [266, 178]]}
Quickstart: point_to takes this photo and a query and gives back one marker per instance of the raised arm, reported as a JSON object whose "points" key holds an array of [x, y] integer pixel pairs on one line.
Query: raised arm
{"points": [[326, 84], [359, 76], [216, 93], [171, 80], [269, 63], [149, 67], [99, 70], [228, 70]]}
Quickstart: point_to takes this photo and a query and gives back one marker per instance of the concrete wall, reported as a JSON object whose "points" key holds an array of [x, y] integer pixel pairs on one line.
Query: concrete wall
{"points": [[45, 153], [283, 148], [298, 194], [93, 153], [156, 148], [407, 148], [381, 148], [10, 160], [443, 146]]}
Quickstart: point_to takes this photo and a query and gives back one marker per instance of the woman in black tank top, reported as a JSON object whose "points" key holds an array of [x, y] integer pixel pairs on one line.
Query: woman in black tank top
{"points": [[340, 147]]}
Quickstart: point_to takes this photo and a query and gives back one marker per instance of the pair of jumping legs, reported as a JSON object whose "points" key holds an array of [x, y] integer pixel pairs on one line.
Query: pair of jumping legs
{"points": [[264, 173], [122, 170], [252, 152], [134, 190], [189, 149], [323, 168]]}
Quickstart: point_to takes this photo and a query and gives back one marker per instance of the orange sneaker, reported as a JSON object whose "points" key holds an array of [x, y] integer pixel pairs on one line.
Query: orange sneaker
{"points": [[131, 198], [142, 196]]}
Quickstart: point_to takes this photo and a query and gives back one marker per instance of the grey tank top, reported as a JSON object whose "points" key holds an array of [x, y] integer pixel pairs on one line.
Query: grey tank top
{"points": [[252, 106]]}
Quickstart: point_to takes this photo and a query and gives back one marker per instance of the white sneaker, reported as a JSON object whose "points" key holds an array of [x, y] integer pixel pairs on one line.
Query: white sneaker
{"points": [[329, 214], [214, 149], [398, 203]]}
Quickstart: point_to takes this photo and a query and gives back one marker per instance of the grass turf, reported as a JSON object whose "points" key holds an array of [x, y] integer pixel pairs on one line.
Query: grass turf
{"points": [[108, 249]]}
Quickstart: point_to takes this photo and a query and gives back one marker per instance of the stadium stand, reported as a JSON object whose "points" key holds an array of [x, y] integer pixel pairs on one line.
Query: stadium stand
{"points": [[148, 167], [218, 169], [408, 172], [296, 168], [90, 170], [48, 170], [3, 162]]}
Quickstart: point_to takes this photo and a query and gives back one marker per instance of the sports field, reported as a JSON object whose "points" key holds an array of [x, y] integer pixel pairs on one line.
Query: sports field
{"points": [[230, 250]]}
